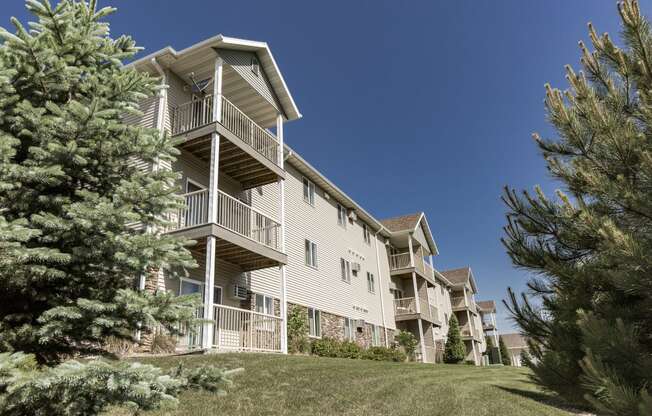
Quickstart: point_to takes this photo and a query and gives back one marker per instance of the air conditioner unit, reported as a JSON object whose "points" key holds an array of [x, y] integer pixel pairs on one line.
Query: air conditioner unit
{"points": [[355, 267], [352, 215], [239, 292], [359, 323]]}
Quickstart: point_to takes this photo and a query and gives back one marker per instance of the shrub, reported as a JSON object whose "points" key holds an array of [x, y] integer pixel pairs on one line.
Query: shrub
{"points": [[384, 354], [163, 344], [325, 347], [455, 350], [469, 362], [408, 341], [349, 349], [297, 330], [87, 388]]}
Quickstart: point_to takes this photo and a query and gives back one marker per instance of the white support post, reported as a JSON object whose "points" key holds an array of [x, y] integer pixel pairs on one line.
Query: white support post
{"points": [[422, 341], [410, 248], [217, 89], [281, 216], [417, 300], [209, 285], [381, 288]]}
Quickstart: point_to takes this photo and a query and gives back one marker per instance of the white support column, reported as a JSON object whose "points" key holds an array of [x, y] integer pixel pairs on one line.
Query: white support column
{"points": [[217, 89], [422, 341], [209, 284], [381, 288], [209, 277], [417, 300], [410, 248], [281, 216]]}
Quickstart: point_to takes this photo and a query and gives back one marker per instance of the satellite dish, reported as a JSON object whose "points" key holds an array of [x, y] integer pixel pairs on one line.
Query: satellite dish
{"points": [[199, 86]]}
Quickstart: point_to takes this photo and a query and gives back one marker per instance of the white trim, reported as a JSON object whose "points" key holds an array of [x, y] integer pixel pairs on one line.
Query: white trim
{"points": [[313, 194], [192, 182]]}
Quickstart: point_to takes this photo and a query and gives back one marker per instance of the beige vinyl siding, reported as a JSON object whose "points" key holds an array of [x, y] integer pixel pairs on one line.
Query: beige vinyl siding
{"points": [[323, 287], [421, 237], [178, 93], [198, 171], [240, 61]]}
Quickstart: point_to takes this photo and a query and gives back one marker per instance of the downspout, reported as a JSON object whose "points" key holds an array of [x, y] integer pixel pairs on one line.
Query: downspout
{"points": [[380, 285], [162, 104]]}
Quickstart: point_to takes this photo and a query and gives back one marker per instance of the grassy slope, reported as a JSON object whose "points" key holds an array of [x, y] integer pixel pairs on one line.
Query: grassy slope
{"points": [[280, 385]]}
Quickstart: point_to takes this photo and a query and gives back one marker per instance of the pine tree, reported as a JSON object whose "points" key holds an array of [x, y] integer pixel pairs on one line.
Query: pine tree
{"points": [[504, 354], [489, 350], [69, 257], [589, 329], [455, 351]]}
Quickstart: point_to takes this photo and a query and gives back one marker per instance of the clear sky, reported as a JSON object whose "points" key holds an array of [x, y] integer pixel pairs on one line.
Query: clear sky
{"points": [[408, 105]]}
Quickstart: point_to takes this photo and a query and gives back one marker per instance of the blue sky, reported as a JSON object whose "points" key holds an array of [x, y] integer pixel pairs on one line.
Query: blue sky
{"points": [[408, 106]]}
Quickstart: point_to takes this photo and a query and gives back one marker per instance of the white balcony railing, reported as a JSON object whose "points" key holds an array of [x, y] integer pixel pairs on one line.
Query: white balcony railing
{"points": [[405, 306], [232, 214], [199, 113], [244, 330], [399, 261]]}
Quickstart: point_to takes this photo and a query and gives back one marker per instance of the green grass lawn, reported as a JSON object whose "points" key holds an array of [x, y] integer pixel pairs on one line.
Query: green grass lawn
{"points": [[291, 385]]}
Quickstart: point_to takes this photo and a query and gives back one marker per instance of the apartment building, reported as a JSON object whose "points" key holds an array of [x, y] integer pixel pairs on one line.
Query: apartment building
{"points": [[466, 310], [272, 233]]}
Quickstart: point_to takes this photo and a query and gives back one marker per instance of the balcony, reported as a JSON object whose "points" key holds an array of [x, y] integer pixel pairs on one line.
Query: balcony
{"points": [[470, 333], [399, 261], [238, 329], [406, 309], [249, 153], [247, 237], [460, 303]]}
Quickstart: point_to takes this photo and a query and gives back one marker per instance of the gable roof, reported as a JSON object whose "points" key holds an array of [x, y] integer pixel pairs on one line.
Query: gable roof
{"points": [[460, 277], [486, 305], [402, 223], [514, 340], [409, 223], [262, 51]]}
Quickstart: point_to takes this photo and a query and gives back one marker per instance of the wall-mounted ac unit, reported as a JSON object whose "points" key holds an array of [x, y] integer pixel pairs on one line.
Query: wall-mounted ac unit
{"points": [[359, 323], [239, 292], [355, 267]]}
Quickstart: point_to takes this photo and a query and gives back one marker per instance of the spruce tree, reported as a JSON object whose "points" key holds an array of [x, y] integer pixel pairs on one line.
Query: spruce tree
{"points": [[504, 353], [455, 351], [69, 255], [589, 328], [489, 351]]}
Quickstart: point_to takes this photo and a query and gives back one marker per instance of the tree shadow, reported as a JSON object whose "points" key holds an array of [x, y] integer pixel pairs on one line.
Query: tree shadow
{"points": [[543, 398]]}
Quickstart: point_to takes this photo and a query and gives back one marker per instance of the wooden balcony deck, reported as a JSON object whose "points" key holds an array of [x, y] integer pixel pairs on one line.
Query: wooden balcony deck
{"points": [[246, 236], [248, 153]]}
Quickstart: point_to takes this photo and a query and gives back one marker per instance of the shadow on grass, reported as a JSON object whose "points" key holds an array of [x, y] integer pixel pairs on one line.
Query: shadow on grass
{"points": [[544, 398]]}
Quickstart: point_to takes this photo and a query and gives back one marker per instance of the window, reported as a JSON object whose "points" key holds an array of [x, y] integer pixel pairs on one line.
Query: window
{"points": [[308, 191], [345, 267], [398, 293], [349, 333], [375, 335], [365, 234], [264, 304], [341, 215], [371, 284], [314, 322], [189, 287], [311, 254], [255, 66]]}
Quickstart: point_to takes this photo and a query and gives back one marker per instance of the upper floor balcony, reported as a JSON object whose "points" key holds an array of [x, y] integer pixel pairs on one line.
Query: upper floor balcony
{"points": [[405, 262], [406, 309], [468, 332], [246, 236], [464, 302], [248, 153]]}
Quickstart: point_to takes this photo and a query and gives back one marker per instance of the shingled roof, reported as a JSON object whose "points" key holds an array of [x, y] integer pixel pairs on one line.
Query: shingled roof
{"points": [[486, 305], [514, 340], [402, 223], [460, 277]]}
